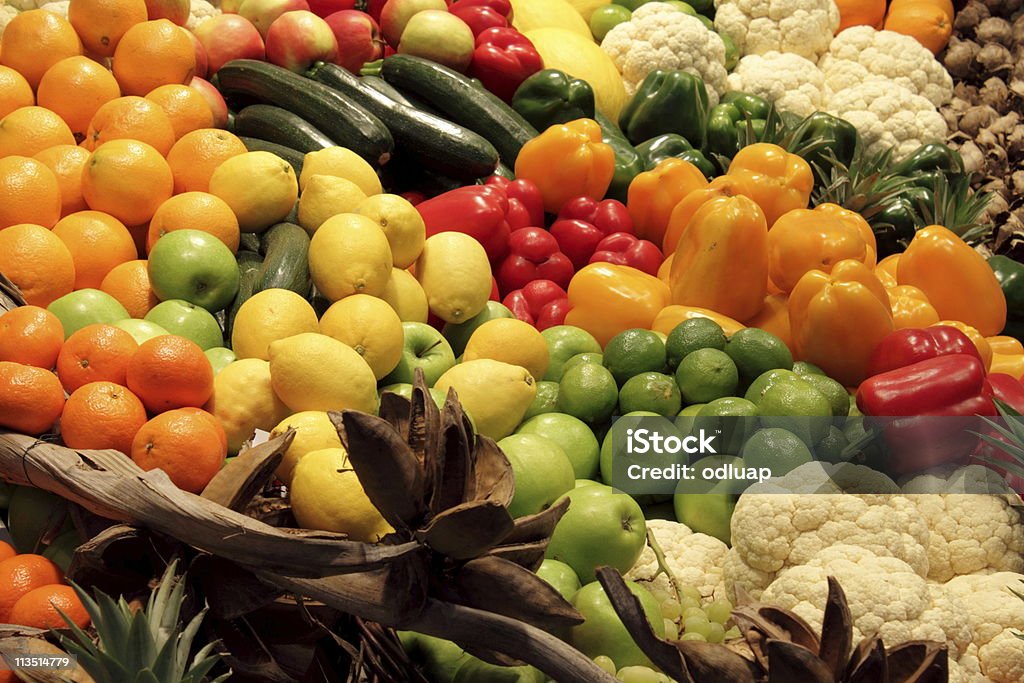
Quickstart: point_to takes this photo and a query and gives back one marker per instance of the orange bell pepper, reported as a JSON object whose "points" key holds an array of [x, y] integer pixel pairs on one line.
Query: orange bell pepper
{"points": [[653, 194], [721, 261], [910, 307], [814, 239], [666, 268], [774, 317], [682, 212], [670, 316], [1004, 344], [607, 299], [777, 180], [980, 343], [566, 161], [836, 319], [956, 278], [1008, 363]]}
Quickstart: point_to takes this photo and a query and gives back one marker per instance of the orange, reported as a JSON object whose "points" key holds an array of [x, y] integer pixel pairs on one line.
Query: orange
{"points": [[21, 574], [860, 13], [129, 284], [195, 211], [170, 371], [102, 415], [98, 242], [29, 193], [30, 130], [95, 353], [151, 54], [37, 261], [186, 107], [6, 550], [75, 88], [101, 23], [212, 419], [182, 443], [66, 162], [15, 92], [134, 118], [31, 335], [126, 179], [927, 22], [31, 400], [197, 155], [36, 40], [38, 608]]}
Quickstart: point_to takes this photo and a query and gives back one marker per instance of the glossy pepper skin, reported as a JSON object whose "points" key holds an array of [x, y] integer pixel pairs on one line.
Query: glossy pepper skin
{"points": [[777, 180], [625, 249], [834, 141], [667, 102], [582, 224], [682, 212], [503, 59], [654, 194], [533, 255], [551, 96], [669, 145], [912, 345], [910, 306], [525, 205], [980, 343], [727, 121], [672, 315], [607, 299], [566, 161], [481, 15], [1010, 275], [931, 156], [628, 162], [541, 303]]}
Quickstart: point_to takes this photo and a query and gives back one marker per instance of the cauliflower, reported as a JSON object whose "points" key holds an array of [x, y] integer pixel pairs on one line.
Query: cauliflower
{"points": [[25, 5], [694, 559], [861, 53], [201, 11], [995, 615], [661, 37], [6, 14], [888, 115], [59, 8], [803, 27], [793, 83]]}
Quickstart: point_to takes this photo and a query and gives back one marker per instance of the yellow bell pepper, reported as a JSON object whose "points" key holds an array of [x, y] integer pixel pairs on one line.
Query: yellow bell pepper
{"points": [[774, 317], [670, 316], [1004, 344], [653, 194], [566, 161], [682, 212], [814, 239], [980, 343], [721, 261], [607, 298], [1008, 363], [956, 279], [665, 268], [910, 307], [838, 318], [777, 180]]}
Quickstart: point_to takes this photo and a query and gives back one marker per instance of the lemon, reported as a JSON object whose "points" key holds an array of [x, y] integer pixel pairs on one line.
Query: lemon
{"points": [[326, 495], [268, 316], [528, 15], [350, 254], [312, 371], [455, 274], [244, 400], [587, 7], [400, 221], [343, 163], [370, 326], [404, 294], [324, 196], [496, 394], [260, 188], [510, 341], [313, 431]]}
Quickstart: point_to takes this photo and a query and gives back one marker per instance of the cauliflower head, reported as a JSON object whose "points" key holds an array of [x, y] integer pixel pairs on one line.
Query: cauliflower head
{"points": [[694, 559], [658, 36], [26, 5], [6, 14], [862, 53], [793, 83], [200, 11], [802, 27], [995, 615]]}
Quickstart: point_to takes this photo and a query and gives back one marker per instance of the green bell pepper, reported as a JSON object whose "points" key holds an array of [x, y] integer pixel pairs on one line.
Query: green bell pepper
{"points": [[824, 140], [1010, 274], [662, 147], [628, 163], [931, 156], [894, 226], [667, 102], [753, 106], [727, 122], [551, 96]]}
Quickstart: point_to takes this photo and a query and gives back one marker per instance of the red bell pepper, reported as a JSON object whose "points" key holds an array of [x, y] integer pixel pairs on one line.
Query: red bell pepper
{"points": [[533, 255], [480, 211], [583, 222], [625, 249], [481, 15], [1010, 391], [542, 303], [913, 344], [503, 59], [374, 7], [525, 205]]}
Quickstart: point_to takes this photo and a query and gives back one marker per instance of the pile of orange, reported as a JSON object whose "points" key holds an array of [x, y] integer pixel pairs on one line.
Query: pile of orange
{"points": [[32, 591]]}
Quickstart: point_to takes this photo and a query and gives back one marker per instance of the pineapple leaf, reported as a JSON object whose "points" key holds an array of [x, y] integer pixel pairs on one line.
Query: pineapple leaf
{"points": [[165, 667], [140, 646], [203, 662], [185, 639], [147, 676], [169, 597], [1011, 467]]}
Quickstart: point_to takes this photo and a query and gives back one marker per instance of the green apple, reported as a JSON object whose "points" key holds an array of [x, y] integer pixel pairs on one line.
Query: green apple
{"points": [[195, 266], [600, 527], [63, 547], [220, 357], [141, 330], [475, 670], [404, 390], [573, 435], [86, 307], [603, 633], [564, 342], [33, 512], [705, 505], [683, 7], [541, 469], [424, 348], [440, 658], [185, 319], [606, 460], [605, 18], [580, 483], [458, 334], [546, 400], [439, 36], [560, 576]]}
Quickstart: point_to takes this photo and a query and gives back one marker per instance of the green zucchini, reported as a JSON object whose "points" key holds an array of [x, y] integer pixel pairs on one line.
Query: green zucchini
{"points": [[274, 124], [455, 96], [249, 241], [249, 263], [383, 87], [432, 142], [292, 156], [285, 249], [337, 116]]}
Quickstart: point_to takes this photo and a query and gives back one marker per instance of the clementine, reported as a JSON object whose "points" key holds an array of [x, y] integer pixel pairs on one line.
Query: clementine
{"points": [[31, 335], [169, 372], [182, 443]]}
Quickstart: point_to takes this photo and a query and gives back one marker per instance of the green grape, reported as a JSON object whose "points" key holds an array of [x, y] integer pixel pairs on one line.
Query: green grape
{"points": [[690, 592], [671, 629], [715, 633], [605, 663], [692, 636], [688, 602], [671, 609], [719, 611], [637, 674], [695, 625], [695, 612], [733, 633]]}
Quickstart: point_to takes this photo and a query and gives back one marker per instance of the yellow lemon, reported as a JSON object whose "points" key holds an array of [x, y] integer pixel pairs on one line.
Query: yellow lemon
{"points": [[350, 254], [370, 326], [268, 316], [510, 341], [313, 431], [312, 371], [583, 58], [496, 394], [343, 163], [400, 221], [324, 196], [587, 7], [404, 294], [244, 400], [260, 188], [455, 275]]}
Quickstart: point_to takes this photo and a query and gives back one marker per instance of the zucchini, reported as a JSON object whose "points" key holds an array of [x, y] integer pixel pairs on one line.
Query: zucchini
{"points": [[457, 98], [430, 141], [285, 249], [337, 116], [249, 241], [274, 124], [383, 87], [249, 263], [292, 156]]}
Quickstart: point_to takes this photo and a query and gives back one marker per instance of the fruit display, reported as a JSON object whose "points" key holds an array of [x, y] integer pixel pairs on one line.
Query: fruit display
{"points": [[459, 341]]}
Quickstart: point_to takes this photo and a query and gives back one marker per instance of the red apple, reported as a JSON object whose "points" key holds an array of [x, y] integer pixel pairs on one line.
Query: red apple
{"points": [[439, 36], [214, 99], [202, 62], [297, 39], [263, 13], [227, 37], [358, 38], [177, 11], [325, 8], [396, 15], [374, 8]]}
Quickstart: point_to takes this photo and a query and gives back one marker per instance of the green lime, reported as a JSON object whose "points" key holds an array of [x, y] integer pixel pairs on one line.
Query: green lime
{"points": [[798, 407], [686, 416], [692, 335], [755, 351], [633, 351], [588, 391], [580, 358], [777, 449], [573, 435], [766, 380], [651, 391], [545, 401], [707, 374], [835, 392], [564, 342], [832, 447], [734, 417], [607, 452], [802, 367], [606, 18]]}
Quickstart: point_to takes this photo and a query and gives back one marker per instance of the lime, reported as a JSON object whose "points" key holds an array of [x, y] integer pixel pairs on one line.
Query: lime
{"points": [[685, 417], [545, 401], [573, 435], [707, 374], [692, 335], [835, 392], [580, 359], [798, 407], [633, 351], [802, 367], [588, 391], [651, 391], [733, 417], [777, 449], [768, 379], [832, 447], [564, 342], [755, 351]]}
